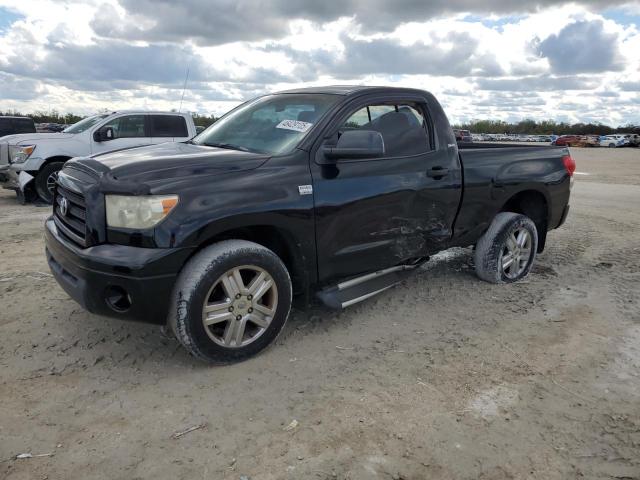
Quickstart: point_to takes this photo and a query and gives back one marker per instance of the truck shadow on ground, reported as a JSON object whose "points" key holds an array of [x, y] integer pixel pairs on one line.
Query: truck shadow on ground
{"points": [[88, 341]]}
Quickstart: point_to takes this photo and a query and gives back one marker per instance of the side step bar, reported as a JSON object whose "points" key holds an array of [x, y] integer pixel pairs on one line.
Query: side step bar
{"points": [[366, 286]]}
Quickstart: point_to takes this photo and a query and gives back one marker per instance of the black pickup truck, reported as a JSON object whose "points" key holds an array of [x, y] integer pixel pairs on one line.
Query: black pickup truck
{"points": [[332, 193]]}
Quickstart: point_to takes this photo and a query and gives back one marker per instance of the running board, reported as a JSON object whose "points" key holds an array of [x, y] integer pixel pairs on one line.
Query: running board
{"points": [[358, 289]]}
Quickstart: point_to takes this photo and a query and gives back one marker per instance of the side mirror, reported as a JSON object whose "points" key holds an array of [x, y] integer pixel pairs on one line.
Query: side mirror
{"points": [[357, 144], [103, 134]]}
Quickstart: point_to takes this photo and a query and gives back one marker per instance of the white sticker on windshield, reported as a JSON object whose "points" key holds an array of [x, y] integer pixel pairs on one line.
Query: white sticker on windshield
{"points": [[295, 125]]}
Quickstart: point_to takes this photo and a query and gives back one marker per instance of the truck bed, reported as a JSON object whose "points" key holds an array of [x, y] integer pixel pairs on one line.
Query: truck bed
{"points": [[486, 145], [494, 173]]}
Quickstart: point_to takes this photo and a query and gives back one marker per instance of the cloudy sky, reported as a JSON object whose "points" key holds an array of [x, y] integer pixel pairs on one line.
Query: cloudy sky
{"points": [[505, 60]]}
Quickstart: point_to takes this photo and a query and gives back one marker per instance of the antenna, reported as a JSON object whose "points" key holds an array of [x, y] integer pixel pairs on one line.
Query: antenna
{"points": [[186, 77]]}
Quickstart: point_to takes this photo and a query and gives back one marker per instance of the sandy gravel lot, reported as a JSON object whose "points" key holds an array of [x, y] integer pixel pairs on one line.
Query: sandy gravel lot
{"points": [[442, 377]]}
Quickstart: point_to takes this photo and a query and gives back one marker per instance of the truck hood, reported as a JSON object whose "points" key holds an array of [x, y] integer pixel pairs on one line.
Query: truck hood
{"points": [[34, 138], [157, 163]]}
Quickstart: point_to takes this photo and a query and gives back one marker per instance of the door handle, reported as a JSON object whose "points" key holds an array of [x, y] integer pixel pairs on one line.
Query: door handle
{"points": [[437, 172]]}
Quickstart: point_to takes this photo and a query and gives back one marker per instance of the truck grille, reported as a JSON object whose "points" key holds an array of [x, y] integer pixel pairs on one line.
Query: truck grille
{"points": [[69, 215]]}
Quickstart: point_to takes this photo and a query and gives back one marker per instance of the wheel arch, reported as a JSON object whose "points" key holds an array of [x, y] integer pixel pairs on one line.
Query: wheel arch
{"points": [[535, 205], [41, 164], [34, 165], [277, 239], [56, 158]]}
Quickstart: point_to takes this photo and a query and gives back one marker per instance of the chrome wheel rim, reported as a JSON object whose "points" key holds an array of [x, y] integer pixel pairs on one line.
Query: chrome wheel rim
{"points": [[240, 306], [516, 253], [51, 182]]}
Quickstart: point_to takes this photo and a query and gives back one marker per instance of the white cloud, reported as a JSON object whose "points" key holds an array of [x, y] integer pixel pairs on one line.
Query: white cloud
{"points": [[82, 56]]}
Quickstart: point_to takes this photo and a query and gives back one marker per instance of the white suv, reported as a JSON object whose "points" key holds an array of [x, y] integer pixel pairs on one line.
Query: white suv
{"points": [[31, 161], [613, 141]]}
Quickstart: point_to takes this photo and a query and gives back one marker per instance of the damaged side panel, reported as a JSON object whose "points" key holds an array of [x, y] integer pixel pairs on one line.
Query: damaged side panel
{"points": [[371, 215]]}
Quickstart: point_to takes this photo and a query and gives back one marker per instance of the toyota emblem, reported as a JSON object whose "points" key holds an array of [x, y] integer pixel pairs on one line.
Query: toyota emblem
{"points": [[64, 206]]}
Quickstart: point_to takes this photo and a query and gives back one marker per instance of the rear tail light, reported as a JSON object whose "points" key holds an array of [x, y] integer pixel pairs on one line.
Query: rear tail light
{"points": [[569, 164]]}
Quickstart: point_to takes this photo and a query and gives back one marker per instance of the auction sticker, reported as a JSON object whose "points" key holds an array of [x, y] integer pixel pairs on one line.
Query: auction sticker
{"points": [[295, 125]]}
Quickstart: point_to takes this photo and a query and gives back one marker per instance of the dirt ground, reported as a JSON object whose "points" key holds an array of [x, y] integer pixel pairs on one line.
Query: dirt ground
{"points": [[442, 377]]}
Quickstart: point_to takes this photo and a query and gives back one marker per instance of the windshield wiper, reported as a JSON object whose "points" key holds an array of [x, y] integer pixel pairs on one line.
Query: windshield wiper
{"points": [[227, 145]]}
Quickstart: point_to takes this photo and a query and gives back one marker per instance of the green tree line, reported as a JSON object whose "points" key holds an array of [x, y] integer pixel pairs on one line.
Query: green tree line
{"points": [[545, 127], [529, 127], [52, 116], [203, 120]]}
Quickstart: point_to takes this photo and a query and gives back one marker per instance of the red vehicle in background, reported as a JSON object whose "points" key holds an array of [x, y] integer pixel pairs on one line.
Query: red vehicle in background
{"points": [[568, 141]]}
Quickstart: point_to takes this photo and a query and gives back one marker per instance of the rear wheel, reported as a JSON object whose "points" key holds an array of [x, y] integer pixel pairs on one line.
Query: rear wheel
{"points": [[46, 180], [506, 252], [612, 145], [231, 301]]}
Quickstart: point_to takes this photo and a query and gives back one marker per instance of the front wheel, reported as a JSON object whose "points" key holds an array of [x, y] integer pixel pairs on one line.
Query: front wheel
{"points": [[46, 180], [231, 301], [506, 252]]}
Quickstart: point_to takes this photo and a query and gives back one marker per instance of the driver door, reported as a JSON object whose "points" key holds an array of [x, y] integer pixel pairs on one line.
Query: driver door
{"points": [[375, 213]]}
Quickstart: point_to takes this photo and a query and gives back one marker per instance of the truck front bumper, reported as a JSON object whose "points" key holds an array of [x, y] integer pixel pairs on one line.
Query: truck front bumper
{"points": [[118, 281], [18, 177]]}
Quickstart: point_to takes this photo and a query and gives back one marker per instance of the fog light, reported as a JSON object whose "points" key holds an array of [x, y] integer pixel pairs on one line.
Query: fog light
{"points": [[117, 298]]}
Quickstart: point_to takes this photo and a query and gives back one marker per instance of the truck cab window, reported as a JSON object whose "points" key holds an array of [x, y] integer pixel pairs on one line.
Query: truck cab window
{"points": [[168, 126], [357, 120], [377, 111], [403, 127], [129, 126]]}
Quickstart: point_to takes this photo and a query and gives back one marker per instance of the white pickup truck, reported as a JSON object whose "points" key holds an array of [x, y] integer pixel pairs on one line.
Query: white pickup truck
{"points": [[29, 163]]}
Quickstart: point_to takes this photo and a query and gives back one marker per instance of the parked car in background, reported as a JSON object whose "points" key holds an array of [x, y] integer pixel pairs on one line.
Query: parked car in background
{"points": [[50, 127], [462, 135], [590, 141], [16, 125], [633, 139], [34, 159], [614, 141], [13, 126], [567, 141]]}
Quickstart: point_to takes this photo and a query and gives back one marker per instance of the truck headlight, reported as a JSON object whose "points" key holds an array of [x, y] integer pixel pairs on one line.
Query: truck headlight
{"points": [[20, 153], [138, 212]]}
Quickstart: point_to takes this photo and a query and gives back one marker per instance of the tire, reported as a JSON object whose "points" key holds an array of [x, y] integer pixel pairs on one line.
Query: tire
{"points": [[207, 279], [497, 242], [612, 145], [45, 176]]}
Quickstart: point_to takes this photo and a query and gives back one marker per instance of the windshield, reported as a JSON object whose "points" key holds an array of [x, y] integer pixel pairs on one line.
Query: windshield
{"points": [[274, 124], [84, 124]]}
